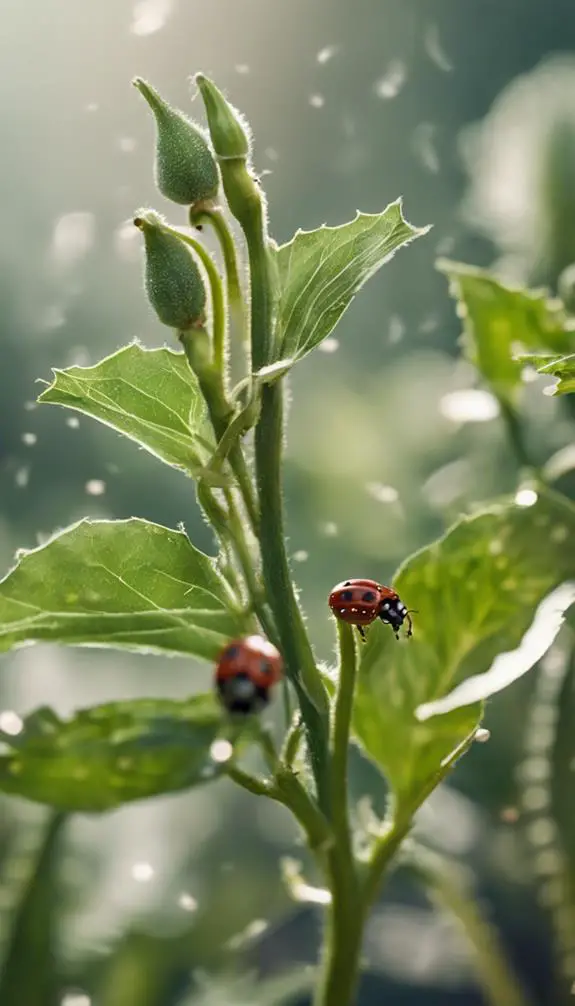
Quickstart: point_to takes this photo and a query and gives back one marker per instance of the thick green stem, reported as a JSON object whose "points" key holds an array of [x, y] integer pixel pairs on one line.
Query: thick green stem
{"points": [[345, 916]]}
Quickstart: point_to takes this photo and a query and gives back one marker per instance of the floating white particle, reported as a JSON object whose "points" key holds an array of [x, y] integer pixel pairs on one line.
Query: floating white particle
{"points": [[29, 439], [390, 84], [251, 932], [526, 497], [150, 16], [301, 555], [397, 329], [187, 902], [22, 477], [434, 49], [10, 722], [73, 422], [75, 999], [30, 406], [72, 238], [423, 143], [329, 345], [329, 529], [482, 735], [142, 872], [221, 751], [470, 406], [382, 493], [429, 324], [52, 317], [95, 487], [92, 106], [127, 144], [271, 154], [328, 52], [316, 100], [242, 68]]}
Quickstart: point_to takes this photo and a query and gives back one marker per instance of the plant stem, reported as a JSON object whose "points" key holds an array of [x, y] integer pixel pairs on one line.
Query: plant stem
{"points": [[446, 888], [345, 916], [236, 309]]}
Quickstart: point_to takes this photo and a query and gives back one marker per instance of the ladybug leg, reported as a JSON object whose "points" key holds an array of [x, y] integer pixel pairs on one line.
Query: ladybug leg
{"points": [[361, 631], [409, 624]]}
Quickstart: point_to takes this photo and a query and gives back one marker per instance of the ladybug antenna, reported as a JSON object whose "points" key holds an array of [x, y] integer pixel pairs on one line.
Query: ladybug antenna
{"points": [[408, 614]]}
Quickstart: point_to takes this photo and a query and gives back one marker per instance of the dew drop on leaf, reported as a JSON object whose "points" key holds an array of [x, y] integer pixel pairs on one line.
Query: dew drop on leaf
{"points": [[526, 497], [390, 84], [329, 345]]}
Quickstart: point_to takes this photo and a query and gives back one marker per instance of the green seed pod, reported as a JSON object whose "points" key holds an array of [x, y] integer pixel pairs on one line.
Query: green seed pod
{"points": [[173, 281], [185, 168], [229, 131]]}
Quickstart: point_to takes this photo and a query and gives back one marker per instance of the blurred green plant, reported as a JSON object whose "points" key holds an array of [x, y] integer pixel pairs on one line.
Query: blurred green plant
{"points": [[146, 588]]}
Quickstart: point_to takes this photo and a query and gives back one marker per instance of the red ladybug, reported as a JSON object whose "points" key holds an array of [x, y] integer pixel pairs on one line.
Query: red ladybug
{"points": [[245, 672], [360, 602]]}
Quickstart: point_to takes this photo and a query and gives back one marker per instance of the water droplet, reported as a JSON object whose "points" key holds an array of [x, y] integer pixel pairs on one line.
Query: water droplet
{"points": [[150, 16], [301, 555], [95, 487], [470, 406], [381, 493], [22, 477], [526, 497], [29, 439], [392, 81], [329, 345], [73, 422], [142, 872], [187, 902], [221, 751], [73, 236], [10, 722], [482, 735], [434, 49], [327, 53], [316, 100]]}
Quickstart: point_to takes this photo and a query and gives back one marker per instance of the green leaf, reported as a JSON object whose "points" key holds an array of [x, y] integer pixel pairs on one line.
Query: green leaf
{"points": [[149, 395], [321, 271], [563, 369], [29, 972], [475, 591], [114, 753], [499, 319], [129, 584]]}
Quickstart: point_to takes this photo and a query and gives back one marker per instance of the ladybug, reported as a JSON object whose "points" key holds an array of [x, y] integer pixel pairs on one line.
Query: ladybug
{"points": [[360, 602], [245, 672]]}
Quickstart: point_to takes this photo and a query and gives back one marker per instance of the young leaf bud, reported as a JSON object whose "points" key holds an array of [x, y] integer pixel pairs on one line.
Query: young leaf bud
{"points": [[229, 131], [173, 280], [185, 169]]}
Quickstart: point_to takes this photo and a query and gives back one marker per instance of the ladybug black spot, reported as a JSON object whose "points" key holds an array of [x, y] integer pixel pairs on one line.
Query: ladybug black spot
{"points": [[368, 596], [231, 652], [346, 595], [265, 667]]}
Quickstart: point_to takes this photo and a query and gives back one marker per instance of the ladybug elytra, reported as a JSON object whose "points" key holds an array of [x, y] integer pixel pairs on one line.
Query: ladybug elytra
{"points": [[245, 672], [360, 602]]}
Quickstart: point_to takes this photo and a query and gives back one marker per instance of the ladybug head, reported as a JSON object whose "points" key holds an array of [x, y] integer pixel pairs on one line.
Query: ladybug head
{"points": [[240, 694]]}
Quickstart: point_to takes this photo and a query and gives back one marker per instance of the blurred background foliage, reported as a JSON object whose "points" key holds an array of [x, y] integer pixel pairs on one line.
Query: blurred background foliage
{"points": [[467, 109]]}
